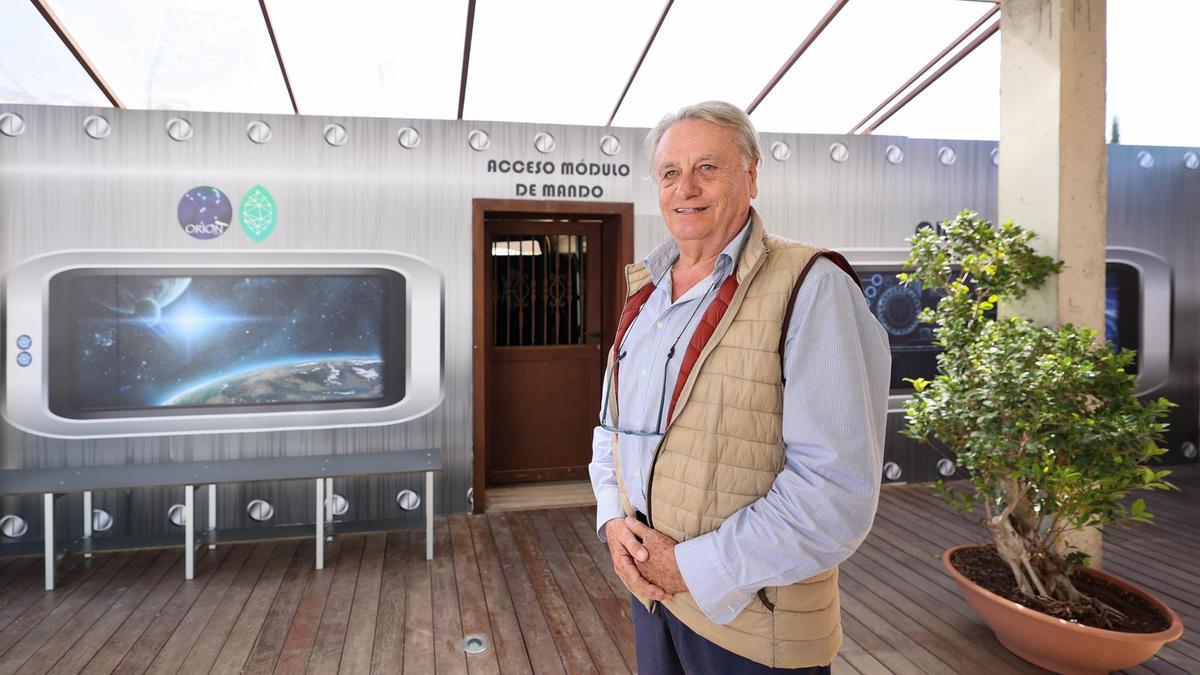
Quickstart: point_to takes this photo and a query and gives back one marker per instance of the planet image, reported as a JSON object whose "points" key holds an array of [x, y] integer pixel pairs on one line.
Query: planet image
{"points": [[143, 298], [327, 379], [205, 212]]}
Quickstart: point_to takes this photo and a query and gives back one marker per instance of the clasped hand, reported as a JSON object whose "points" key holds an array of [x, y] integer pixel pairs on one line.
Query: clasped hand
{"points": [[647, 568]]}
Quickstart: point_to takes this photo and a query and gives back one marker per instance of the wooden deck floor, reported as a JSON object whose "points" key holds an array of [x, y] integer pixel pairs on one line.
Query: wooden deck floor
{"points": [[537, 583]]}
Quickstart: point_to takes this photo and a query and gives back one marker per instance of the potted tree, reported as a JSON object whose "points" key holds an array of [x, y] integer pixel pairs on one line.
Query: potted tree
{"points": [[1046, 424]]}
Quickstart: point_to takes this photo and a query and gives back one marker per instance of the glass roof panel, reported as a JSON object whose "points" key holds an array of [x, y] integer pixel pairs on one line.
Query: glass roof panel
{"points": [[1154, 71], [860, 59], [553, 61], [714, 49], [964, 103], [35, 65], [180, 54], [373, 57]]}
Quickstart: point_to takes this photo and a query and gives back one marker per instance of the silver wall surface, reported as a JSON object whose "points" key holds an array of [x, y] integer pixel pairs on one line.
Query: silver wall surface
{"points": [[61, 189]]}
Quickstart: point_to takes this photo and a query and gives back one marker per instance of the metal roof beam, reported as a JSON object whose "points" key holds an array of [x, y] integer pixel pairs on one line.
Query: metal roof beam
{"points": [[76, 51], [279, 56], [812, 37], [645, 50], [466, 59]]}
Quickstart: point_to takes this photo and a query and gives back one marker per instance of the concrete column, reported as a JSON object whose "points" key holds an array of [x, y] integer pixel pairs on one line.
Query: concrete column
{"points": [[1053, 158]]}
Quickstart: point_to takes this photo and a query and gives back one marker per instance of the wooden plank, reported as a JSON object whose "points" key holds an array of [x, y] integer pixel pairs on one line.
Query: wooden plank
{"points": [[360, 631], [161, 602], [889, 656], [278, 622], [901, 638], [244, 631], [841, 667], [78, 620], [447, 622], [860, 659], [168, 628], [14, 569], [220, 625], [32, 601], [539, 639], [566, 634], [583, 522], [388, 653], [32, 629], [293, 657], [418, 607], [506, 630], [331, 632], [76, 658], [615, 613], [472, 606]]}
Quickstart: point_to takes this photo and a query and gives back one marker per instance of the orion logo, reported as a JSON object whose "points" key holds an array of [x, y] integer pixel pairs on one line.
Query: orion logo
{"points": [[205, 212]]}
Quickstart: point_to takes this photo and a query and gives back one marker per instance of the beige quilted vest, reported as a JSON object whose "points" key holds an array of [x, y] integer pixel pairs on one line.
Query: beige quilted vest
{"points": [[724, 446]]}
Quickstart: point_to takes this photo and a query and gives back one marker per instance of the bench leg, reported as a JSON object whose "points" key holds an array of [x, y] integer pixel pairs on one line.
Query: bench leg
{"points": [[51, 551], [429, 515], [212, 514], [328, 500], [320, 542], [87, 519], [189, 532]]}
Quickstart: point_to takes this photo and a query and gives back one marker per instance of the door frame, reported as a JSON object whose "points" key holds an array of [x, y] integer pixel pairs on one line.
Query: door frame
{"points": [[617, 238]]}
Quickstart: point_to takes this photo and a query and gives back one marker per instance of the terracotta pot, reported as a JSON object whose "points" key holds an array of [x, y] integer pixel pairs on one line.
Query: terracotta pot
{"points": [[1060, 645]]}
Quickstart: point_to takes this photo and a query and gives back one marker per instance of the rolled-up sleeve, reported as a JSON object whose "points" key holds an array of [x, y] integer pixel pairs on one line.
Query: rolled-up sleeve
{"points": [[603, 472], [823, 502]]}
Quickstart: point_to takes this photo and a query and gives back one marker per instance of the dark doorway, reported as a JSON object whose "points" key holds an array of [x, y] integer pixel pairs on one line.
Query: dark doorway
{"points": [[547, 292]]}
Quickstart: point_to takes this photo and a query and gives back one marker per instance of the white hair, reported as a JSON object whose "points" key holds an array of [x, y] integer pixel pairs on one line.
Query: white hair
{"points": [[718, 112]]}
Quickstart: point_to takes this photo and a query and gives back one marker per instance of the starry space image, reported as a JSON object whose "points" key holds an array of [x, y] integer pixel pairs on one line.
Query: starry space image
{"points": [[151, 341]]}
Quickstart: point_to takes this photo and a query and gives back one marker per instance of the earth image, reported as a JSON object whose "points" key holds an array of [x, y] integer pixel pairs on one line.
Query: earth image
{"points": [[302, 381]]}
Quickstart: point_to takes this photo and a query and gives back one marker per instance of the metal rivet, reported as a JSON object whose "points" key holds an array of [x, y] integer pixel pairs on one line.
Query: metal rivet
{"points": [[479, 140], [894, 154], [1145, 159], [610, 145], [13, 526], [179, 129], [1191, 161], [995, 156], [1189, 450], [838, 152], [11, 124], [780, 151], [177, 515], [260, 510], [102, 521], [335, 135], [475, 644], [946, 467], [408, 500], [892, 471], [471, 496], [946, 155], [258, 131], [408, 138], [96, 126], [544, 143], [337, 504]]}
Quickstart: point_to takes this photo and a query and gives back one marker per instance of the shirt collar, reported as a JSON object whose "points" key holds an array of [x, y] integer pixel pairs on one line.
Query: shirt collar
{"points": [[659, 261]]}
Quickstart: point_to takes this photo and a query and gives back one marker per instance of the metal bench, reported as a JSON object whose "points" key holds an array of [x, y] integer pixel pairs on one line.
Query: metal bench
{"points": [[52, 483]]}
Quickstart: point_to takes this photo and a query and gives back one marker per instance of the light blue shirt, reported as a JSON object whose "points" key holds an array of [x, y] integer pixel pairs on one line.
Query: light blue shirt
{"points": [[837, 365]]}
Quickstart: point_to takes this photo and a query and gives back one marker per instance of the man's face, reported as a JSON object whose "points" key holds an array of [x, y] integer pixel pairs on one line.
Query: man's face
{"points": [[704, 183]]}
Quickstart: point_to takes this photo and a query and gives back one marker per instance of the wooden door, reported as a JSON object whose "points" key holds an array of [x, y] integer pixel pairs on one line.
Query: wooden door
{"points": [[544, 360]]}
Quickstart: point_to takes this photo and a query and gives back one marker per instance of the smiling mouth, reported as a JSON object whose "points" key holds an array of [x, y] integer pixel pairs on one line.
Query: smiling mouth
{"points": [[691, 210]]}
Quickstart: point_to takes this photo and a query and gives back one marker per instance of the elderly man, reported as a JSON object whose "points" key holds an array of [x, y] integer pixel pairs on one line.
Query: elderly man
{"points": [[740, 445]]}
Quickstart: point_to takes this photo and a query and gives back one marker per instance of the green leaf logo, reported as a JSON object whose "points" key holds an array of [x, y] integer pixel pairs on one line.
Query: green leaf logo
{"points": [[258, 213]]}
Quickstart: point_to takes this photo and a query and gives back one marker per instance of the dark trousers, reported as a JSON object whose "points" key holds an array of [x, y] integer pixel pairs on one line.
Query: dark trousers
{"points": [[667, 647]]}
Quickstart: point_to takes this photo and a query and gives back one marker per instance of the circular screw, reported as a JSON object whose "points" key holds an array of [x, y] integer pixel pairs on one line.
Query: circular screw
{"points": [[1189, 450], [180, 129], [13, 526], [260, 510], [96, 126], [780, 151], [544, 143], [337, 504], [995, 156], [947, 156], [24, 359], [11, 124], [335, 135], [894, 154], [1191, 161], [408, 500], [475, 644], [24, 342], [838, 152], [946, 467], [479, 140], [610, 145], [892, 471], [1145, 159], [408, 138], [258, 131], [102, 521], [177, 515]]}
